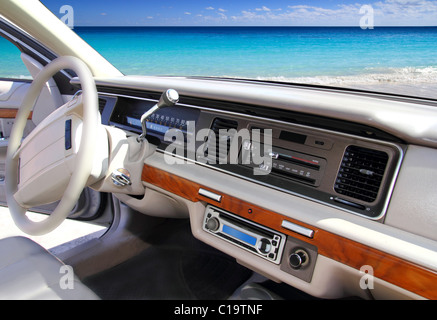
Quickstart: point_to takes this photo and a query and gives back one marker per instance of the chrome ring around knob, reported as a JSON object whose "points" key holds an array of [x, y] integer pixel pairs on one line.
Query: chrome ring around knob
{"points": [[213, 224], [298, 259], [264, 246]]}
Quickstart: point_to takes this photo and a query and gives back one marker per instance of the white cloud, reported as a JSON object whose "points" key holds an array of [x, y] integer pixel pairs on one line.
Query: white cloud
{"points": [[263, 8], [218, 16], [406, 12], [222, 16], [387, 12], [300, 15]]}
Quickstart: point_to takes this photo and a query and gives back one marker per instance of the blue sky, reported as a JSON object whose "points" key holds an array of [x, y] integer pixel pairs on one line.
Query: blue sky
{"points": [[246, 12]]}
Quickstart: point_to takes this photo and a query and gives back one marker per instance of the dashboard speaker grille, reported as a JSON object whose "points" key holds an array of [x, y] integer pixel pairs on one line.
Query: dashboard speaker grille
{"points": [[219, 140], [361, 173]]}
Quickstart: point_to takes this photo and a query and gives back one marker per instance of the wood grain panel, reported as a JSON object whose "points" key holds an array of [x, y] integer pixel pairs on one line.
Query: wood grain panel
{"points": [[11, 114], [392, 269]]}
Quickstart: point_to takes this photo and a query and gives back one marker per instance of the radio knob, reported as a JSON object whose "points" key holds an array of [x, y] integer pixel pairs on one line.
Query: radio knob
{"points": [[298, 259], [212, 224], [264, 246]]}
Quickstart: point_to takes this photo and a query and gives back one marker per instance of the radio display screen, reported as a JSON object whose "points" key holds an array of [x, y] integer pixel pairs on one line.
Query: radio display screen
{"points": [[239, 235]]}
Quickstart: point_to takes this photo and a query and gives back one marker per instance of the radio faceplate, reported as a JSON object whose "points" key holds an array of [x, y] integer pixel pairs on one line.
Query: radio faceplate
{"points": [[261, 241]]}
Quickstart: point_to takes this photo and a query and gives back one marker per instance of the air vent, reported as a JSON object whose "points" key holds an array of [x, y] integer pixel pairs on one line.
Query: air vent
{"points": [[361, 173], [102, 104], [219, 140]]}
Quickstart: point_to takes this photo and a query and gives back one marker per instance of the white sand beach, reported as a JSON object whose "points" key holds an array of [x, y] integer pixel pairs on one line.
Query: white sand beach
{"points": [[417, 82]]}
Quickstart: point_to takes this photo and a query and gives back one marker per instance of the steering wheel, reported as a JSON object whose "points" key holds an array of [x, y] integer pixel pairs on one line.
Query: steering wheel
{"points": [[54, 162]]}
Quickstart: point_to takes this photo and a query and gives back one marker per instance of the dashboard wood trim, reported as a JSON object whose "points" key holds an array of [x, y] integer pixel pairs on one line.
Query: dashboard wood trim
{"points": [[387, 267], [9, 113]]}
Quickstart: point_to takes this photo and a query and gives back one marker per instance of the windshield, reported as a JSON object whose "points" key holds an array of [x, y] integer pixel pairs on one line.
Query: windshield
{"points": [[388, 46]]}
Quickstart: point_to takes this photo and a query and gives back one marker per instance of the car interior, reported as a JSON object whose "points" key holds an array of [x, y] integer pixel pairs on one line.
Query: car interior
{"points": [[210, 188]]}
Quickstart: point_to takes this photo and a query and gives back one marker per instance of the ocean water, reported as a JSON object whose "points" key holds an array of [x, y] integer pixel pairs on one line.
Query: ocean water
{"points": [[264, 51], [321, 55]]}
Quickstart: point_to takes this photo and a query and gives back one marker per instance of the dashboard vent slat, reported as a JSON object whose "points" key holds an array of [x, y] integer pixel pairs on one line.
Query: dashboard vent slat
{"points": [[102, 104], [361, 172], [219, 140]]}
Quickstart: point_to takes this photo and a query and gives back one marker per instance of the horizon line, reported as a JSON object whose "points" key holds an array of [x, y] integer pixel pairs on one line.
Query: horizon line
{"points": [[254, 26]]}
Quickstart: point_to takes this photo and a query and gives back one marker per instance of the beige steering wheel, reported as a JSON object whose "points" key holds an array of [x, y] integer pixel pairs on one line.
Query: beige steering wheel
{"points": [[55, 160]]}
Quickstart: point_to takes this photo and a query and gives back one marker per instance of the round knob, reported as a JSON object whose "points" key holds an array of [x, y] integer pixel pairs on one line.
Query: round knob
{"points": [[168, 99], [298, 259], [264, 246], [212, 224]]}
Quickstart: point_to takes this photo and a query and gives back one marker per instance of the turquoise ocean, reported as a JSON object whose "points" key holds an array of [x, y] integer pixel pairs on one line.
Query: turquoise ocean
{"points": [[306, 54]]}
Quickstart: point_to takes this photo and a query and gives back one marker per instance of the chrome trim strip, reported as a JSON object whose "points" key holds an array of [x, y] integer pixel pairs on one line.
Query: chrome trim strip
{"points": [[210, 195], [297, 228]]}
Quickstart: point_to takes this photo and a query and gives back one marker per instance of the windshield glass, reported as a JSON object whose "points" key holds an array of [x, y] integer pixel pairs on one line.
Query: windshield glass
{"points": [[388, 46]]}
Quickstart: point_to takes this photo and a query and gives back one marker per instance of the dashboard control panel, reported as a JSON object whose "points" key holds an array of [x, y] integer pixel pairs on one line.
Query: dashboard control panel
{"points": [[340, 170]]}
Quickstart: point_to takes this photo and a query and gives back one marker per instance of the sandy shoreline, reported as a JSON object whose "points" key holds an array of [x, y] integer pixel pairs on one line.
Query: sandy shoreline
{"points": [[417, 82], [422, 90]]}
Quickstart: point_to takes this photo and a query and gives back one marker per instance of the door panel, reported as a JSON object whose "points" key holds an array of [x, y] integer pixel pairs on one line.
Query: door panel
{"points": [[12, 93]]}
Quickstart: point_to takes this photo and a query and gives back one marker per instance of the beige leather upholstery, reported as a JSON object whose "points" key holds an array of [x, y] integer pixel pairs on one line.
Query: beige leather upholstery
{"points": [[28, 271]]}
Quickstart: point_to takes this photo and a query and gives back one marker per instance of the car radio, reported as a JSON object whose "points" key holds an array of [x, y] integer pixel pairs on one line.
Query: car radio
{"points": [[262, 241]]}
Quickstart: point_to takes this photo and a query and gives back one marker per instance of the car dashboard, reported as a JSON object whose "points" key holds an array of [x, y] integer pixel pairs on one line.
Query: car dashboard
{"points": [[306, 186]]}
